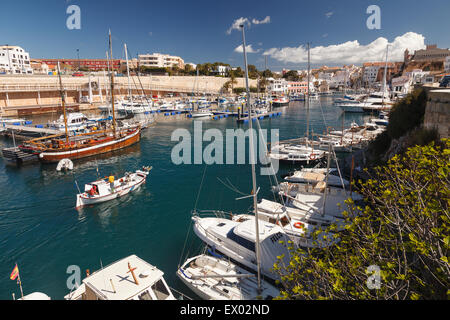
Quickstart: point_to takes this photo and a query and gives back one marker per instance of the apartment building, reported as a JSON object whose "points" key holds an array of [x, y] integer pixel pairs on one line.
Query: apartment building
{"points": [[14, 60], [158, 60]]}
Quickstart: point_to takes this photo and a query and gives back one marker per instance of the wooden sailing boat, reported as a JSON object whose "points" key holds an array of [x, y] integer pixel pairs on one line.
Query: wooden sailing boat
{"points": [[58, 147]]}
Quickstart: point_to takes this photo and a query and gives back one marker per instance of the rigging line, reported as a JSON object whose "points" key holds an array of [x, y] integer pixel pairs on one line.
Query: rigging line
{"points": [[232, 187], [200, 189]]}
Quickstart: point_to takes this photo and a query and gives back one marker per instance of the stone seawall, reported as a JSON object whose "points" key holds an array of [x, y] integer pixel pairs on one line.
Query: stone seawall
{"points": [[437, 113], [20, 95]]}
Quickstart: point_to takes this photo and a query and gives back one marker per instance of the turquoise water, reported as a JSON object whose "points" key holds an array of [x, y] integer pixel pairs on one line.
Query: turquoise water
{"points": [[41, 230]]}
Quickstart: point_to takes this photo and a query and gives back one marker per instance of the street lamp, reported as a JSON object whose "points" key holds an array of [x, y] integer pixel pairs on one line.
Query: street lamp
{"points": [[78, 55]]}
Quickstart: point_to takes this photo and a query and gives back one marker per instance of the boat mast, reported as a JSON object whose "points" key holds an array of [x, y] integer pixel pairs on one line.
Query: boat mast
{"points": [[252, 161], [307, 98], [112, 86], [63, 100], [128, 73], [384, 76]]}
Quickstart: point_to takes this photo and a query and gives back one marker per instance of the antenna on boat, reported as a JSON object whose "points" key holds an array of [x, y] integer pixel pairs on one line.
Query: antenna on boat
{"points": [[112, 85], [252, 161], [63, 100]]}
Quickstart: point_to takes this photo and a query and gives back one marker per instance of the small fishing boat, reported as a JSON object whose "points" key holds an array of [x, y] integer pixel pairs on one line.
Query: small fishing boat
{"points": [[108, 189]]}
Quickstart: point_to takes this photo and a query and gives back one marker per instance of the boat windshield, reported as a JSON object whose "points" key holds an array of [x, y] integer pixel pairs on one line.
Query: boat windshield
{"points": [[160, 290]]}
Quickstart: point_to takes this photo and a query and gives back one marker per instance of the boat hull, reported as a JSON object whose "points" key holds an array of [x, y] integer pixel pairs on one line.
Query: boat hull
{"points": [[108, 146], [84, 200]]}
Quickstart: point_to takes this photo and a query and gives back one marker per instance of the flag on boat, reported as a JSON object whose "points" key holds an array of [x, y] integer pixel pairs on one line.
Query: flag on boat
{"points": [[14, 273]]}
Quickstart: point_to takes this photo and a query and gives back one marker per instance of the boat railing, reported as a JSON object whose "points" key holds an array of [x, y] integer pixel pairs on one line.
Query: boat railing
{"points": [[212, 214], [181, 296]]}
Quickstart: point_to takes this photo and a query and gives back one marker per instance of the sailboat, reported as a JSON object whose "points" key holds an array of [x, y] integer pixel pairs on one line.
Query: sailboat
{"points": [[55, 148], [200, 112], [253, 243]]}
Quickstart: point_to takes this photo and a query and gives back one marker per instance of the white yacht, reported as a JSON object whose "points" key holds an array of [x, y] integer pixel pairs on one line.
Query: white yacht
{"points": [[317, 197], [313, 175], [130, 278], [237, 240], [295, 153], [75, 121]]}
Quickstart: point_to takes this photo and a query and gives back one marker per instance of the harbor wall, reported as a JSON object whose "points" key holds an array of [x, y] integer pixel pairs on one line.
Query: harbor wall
{"points": [[36, 94], [437, 112]]}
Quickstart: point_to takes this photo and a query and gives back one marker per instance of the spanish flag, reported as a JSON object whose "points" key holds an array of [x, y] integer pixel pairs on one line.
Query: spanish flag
{"points": [[14, 273]]}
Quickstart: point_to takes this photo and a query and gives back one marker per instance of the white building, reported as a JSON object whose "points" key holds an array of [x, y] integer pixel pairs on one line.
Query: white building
{"points": [[158, 60], [14, 60], [221, 70], [193, 65], [417, 75], [370, 74], [447, 64], [278, 86], [401, 85]]}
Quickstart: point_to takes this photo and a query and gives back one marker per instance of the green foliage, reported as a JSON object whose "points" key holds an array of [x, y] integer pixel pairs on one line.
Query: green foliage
{"points": [[148, 70], [407, 114], [291, 75], [381, 143], [404, 229], [242, 90]]}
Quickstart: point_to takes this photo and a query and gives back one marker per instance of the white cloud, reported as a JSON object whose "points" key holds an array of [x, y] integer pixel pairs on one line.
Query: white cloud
{"points": [[351, 51], [245, 21], [248, 48], [329, 14], [237, 23], [264, 21]]}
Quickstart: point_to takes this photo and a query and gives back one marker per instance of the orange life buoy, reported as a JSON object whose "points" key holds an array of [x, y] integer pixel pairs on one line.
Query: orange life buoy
{"points": [[298, 225], [312, 156]]}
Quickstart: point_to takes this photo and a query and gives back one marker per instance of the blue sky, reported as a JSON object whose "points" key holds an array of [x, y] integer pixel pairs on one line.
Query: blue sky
{"points": [[197, 30]]}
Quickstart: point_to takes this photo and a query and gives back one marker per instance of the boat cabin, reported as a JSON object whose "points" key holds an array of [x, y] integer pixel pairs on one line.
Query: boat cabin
{"points": [[128, 279]]}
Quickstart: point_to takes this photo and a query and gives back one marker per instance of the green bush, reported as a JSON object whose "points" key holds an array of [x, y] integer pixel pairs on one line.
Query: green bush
{"points": [[407, 114]]}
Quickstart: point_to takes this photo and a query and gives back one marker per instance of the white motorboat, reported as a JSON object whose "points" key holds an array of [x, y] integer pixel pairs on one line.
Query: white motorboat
{"points": [[237, 240], [75, 121], [295, 153], [317, 197], [108, 189], [282, 213], [312, 175], [130, 278], [202, 113], [213, 278]]}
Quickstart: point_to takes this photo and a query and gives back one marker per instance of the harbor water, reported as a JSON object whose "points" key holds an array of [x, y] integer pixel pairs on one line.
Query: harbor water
{"points": [[43, 233]]}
